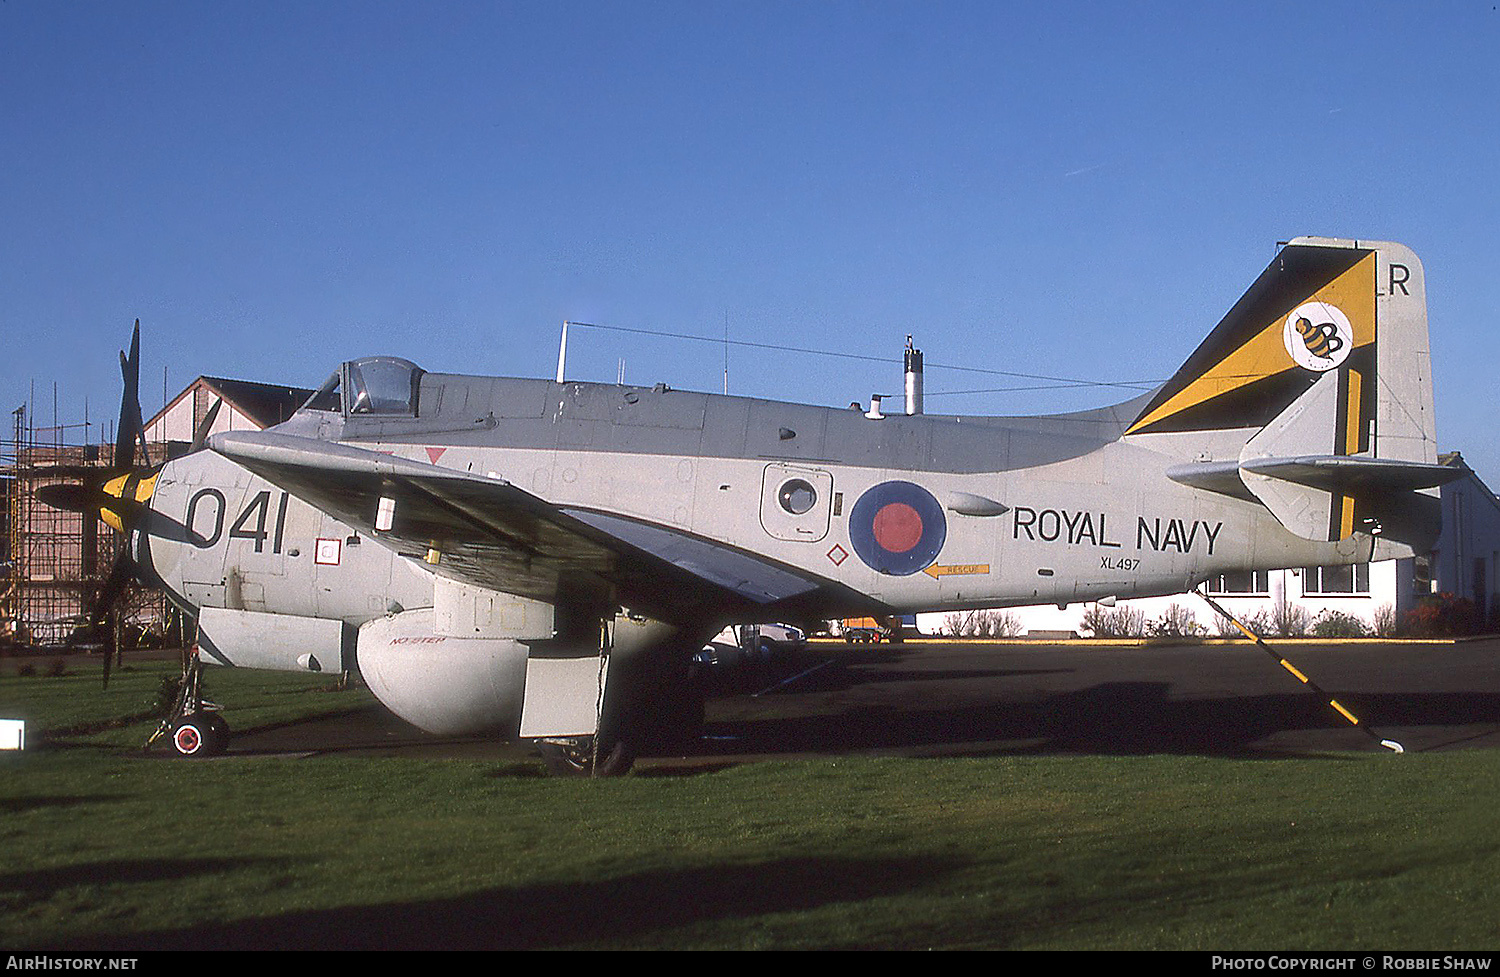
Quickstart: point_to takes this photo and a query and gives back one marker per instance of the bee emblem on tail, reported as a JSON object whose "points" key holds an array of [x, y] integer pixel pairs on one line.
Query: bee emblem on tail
{"points": [[1321, 340], [1318, 336]]}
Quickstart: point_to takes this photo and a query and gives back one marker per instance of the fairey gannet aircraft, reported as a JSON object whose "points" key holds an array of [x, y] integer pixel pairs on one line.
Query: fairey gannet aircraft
{"points": [[542, 558]]}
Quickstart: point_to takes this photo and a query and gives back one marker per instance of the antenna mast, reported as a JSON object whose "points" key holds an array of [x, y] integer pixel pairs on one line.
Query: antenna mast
{"points": [[562, 351]]}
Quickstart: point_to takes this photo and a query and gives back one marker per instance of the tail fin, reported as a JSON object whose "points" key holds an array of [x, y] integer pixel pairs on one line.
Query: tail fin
{"points": [[1324, 366]]}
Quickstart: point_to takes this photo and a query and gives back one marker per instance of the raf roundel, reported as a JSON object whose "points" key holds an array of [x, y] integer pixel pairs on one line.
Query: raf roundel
{"points": [[897, 528]]}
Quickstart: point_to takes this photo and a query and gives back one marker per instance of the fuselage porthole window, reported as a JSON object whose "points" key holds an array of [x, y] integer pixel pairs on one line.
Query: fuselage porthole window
{"points": [[797, 496]]}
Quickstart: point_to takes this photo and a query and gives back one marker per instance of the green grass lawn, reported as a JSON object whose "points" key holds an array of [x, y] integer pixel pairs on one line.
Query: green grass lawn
{"points": [[76, 710], [106, 848]]}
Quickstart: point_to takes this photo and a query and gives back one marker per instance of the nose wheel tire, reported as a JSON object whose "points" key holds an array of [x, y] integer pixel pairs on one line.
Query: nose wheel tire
{"points": [[200, 734]]}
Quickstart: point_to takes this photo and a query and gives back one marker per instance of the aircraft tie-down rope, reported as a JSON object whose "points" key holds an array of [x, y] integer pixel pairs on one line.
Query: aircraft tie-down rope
{"points": [[1296, 673]]}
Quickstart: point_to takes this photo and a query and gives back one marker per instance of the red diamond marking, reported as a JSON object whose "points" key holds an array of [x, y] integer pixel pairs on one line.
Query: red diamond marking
{"points": [[838, 554]]}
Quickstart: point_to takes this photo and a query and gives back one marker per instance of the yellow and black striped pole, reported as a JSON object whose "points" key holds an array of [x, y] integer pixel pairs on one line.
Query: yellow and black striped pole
{"points": [[1296, 673]]}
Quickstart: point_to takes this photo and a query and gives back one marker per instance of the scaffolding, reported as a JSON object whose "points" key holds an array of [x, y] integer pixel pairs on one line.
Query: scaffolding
{"points": [[55, 561]]}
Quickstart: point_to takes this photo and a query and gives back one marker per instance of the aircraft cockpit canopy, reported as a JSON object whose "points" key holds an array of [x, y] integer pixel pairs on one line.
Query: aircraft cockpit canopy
{"points": [[384, 386]]}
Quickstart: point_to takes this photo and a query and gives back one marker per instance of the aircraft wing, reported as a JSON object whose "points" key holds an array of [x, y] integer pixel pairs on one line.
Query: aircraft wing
{"points": [[492, 534]]}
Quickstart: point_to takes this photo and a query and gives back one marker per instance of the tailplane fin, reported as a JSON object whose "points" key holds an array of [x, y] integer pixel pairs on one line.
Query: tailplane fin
{"points": [[1357, 308], [1323, 366]]}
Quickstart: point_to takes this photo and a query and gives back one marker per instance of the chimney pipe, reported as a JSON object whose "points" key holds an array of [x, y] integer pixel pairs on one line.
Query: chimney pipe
{"points": [[913, 378]]}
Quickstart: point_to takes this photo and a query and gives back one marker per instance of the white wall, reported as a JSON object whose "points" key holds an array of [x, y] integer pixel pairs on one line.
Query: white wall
{"points": [[176, 424]]}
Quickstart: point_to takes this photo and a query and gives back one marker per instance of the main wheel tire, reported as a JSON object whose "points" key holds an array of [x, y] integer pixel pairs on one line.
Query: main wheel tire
{"points": [[576, 759]]}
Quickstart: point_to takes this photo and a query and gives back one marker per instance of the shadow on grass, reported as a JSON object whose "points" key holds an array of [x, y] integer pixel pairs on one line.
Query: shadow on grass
{"points": [[1113, 719], [20, 805], [128, 871], [618, 911], [928, 703]]}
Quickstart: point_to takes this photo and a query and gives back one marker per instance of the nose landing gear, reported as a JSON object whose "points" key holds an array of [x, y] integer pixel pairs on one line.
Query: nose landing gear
{"points": [[194, 726]]}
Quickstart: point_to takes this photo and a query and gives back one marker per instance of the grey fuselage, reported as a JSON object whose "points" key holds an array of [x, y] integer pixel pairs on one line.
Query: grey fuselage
{"points": [[1052, 509]]}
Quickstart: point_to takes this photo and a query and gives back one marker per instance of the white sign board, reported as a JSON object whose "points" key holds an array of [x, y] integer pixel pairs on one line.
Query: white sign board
{"points": [[12, 734]]}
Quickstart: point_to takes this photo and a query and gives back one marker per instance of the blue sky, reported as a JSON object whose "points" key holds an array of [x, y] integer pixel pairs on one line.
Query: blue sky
{"points": [[1067, 189]]}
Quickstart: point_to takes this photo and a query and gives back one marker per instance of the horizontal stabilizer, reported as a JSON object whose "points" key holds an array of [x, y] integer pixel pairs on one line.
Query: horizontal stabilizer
{"points": [[1352, 475], [1305, 492], [1212, 476]]}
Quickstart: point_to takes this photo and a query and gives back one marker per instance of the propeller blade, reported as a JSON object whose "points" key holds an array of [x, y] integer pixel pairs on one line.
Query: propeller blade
{"points": [[68, 496], [131, 428], [121, 572], [200, 434]]}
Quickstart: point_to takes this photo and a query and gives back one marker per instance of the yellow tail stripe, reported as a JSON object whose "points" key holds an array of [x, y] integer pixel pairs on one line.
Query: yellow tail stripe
{"points": [[1352, 432], [1343, 712]]}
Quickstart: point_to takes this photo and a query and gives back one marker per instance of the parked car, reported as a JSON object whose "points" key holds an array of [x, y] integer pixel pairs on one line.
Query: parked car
{"points": [[864, 630], [782, 637], [873, 630], [753, 643]]}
